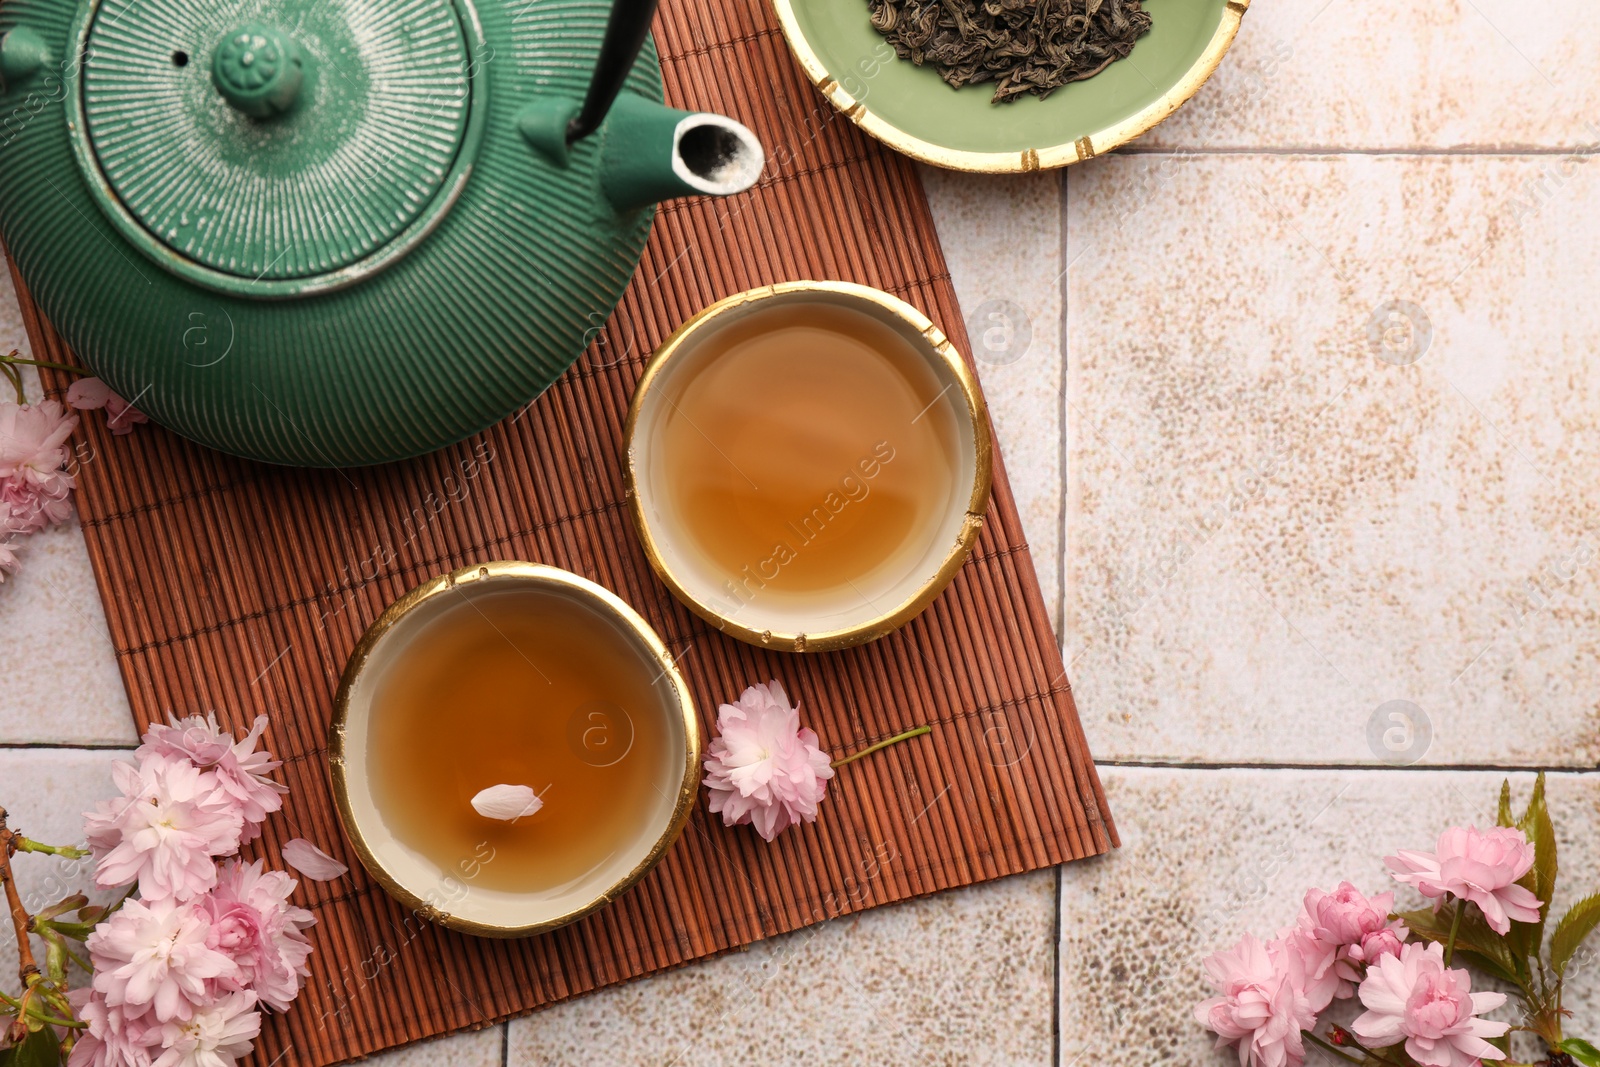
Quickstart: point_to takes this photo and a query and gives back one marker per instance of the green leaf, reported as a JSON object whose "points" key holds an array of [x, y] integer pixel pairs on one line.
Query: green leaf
{"points": [[1582, 1051], [1541, 880], [1578, 923], [1505, 818], [38, 1049], [72, 903], [1520, 941], [1491, 967], [1476, 944], [76, 931]]}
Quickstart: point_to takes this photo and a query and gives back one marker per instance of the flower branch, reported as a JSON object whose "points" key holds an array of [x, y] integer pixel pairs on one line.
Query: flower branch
{"points": [[765, 770], [14, 359], [918, 731], [24, 844], [38, 461], [1406, 967], [15, 377], [197, 942], [21, 921], [1455, 928]]}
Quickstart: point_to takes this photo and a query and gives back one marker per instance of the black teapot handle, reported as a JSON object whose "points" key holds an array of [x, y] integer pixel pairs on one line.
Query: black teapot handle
{"points": [[625, 34]]}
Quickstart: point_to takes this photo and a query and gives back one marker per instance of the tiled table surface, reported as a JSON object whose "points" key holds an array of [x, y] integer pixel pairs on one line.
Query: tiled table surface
{"points": [[1255, 528]]}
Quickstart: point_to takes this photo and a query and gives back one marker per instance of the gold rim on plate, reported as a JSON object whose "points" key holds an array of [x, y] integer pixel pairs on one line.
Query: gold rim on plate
{"points": [[932, 342], [1029, 159], [520, 573]]}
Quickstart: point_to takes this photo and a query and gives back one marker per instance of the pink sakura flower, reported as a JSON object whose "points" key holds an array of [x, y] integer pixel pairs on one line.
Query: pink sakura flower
{"points": [[26, 508], [153, 956], [33, 452], [87, 394], [254, 925], [764, 768], [1378, 944], [1413, 998], [114, 1038], [12, 522], [9, 564], [1338, 933], [218, 1034], [238, 770], [1261, 1006], [1477, 865], [164, 830], [1344, 916], [1317, 966]]}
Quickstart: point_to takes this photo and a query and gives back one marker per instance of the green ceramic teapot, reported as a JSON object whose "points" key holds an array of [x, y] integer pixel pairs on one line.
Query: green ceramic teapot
{"points": [[338, 232]]}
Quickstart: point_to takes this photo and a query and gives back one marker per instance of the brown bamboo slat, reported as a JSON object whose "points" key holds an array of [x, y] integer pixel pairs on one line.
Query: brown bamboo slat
{"points": [[242, 588]]}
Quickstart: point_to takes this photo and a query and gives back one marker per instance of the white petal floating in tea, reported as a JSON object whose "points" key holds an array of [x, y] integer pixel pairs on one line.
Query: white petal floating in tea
{"points": [[508, 803], [521, 687]]}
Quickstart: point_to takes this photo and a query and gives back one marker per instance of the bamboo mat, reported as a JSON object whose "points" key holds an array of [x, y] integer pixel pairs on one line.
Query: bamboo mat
{"points": [[243, 588]]}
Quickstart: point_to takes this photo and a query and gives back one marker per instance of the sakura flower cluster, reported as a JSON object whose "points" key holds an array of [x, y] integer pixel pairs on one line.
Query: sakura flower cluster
{"points": [[36, 457], [35, 482], [1269, 996], [183, 969]]}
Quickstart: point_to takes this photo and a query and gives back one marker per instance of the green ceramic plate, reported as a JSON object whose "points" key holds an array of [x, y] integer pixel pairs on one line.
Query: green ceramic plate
{"points": [[913, 110]]}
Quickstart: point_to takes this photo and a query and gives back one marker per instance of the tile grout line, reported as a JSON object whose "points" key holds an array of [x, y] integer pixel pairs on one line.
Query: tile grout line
{"points": [[1056, 1052], [1435, 768], [67, 746], [1503, 151], [1061, 414]]}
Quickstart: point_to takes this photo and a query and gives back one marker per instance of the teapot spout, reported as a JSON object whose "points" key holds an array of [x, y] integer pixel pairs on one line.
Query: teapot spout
{"points": [[653, 153], [22, 54]]}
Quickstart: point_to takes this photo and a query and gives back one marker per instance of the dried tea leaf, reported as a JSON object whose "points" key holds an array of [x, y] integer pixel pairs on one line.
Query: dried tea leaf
{"points": [[1023, 46]]}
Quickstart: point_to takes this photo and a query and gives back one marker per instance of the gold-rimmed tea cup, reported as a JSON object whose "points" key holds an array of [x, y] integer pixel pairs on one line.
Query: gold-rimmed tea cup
{"points": [[738, 603], [449, 896]]}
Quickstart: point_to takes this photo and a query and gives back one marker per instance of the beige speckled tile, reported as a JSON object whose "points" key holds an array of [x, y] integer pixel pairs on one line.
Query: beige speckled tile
{"points": [[1349, 74], [1273, 529], [958, 978], [1209, 855], [482, 1048], [12, 335], [62, 684], [1002, 240]]}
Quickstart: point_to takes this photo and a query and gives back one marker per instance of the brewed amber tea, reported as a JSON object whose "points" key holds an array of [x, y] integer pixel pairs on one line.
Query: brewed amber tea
{"points": [[813, 453], [532, 687]]}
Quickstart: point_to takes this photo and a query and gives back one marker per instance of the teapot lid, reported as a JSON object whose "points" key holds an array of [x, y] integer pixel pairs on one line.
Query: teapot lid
{"points": [[277, 147]]}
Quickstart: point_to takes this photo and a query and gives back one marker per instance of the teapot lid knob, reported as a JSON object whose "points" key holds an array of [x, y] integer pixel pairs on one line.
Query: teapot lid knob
{"points": [[259, 70], [310, 146]]}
